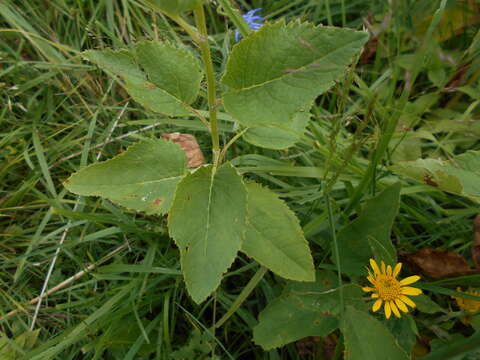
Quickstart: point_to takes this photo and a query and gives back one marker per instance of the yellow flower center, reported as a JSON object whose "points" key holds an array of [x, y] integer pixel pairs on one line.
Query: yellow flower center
{"points": [[388, 287]]}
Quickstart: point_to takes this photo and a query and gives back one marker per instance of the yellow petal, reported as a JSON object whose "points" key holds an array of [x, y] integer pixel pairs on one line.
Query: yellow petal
{"points": [[374, 266], [388, 310], [408, 290], [383, 268], [409, 280], [371, 279], [394, 309], [401, 305], [367, 289], [407, 301], [389, 270], [374, 296], [396, 269], [377, 305]]}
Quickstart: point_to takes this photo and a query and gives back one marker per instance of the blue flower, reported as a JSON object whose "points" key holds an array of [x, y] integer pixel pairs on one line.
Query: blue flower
{"points": [[253, 21]]}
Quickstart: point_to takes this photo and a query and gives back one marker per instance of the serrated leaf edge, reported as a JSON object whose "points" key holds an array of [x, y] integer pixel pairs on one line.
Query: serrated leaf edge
{"points": [[130, 148], [298, 228], [200, 300]]}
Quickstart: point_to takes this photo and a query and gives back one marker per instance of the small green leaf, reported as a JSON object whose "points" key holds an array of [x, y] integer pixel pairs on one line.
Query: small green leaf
{"points": [[460, 175], [269, 86], [274, 237], [207, 222], [427, 305], [171, 80], [368, 235], [368, 338], [278, 136], [303, 309], [175, 71], [143, 178], [404, 330], [173, 7]]}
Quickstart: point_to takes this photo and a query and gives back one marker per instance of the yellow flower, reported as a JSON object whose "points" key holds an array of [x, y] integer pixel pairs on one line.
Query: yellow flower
{"points": [[466, 304], [390, 291]]}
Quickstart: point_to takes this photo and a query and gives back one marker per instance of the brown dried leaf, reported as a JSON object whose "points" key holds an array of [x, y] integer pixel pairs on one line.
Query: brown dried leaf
{"points": [[316, 345], [190, 145], [437, 263], [476, 242], [308, 345]]}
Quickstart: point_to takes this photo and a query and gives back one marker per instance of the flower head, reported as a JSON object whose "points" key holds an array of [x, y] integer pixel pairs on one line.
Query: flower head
{"points": [[472, 306], [390, 291], [252, 21]]}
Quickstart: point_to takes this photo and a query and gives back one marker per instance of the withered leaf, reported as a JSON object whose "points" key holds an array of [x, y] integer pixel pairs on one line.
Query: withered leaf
{"points": [[437, 263], [190, 145], [308, 345], [476, 242]]}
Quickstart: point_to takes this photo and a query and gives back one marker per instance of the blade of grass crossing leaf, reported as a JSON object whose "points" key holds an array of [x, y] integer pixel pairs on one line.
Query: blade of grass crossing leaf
{"points": [[445, 291], [247, 290]]}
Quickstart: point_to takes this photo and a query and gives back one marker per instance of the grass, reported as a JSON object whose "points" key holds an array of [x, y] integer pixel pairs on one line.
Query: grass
{"points": [[411, 98]]}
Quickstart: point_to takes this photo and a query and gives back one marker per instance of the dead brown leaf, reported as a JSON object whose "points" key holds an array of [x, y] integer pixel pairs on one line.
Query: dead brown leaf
{"points": [[308, 345], [476, 242], [437, 263], [190, 145], [316, 345]]}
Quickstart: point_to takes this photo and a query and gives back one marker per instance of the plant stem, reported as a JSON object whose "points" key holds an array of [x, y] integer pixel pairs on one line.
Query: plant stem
{"points": [[211, 82], [335, 250], [247, 290], [236, 18], [190, 30]]}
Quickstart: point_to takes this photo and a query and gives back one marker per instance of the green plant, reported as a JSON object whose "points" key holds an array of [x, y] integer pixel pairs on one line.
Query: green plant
{"points": [[271, 79]]}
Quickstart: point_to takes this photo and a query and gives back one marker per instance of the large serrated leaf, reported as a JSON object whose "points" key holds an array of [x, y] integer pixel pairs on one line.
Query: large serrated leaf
{"points": [[368, 236], [460, 175], [278, 136], [159, 76], [274, 237], [303, 309], [269, 85], [207, 222], [368, 338], [173, 7], [143, 178]]}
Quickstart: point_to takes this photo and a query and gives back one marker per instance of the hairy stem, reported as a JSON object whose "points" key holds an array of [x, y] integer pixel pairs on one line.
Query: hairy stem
{"points": [[211, 82]]}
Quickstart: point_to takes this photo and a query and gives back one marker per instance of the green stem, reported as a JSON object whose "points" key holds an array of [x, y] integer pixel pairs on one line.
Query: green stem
{"points": [[335, 250], [189, 29], [236, 18], [204, 46], [247, 290]]}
